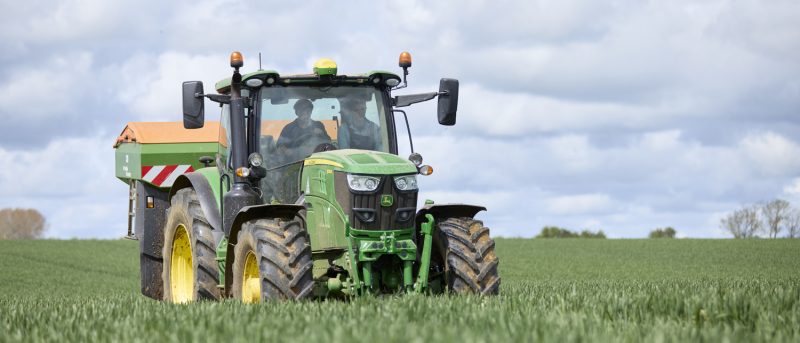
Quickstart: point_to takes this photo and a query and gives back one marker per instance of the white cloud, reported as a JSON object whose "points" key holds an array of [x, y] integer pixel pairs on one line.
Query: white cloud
{"points": [[151, 85], [579, 204], [46, 91], [771, 153]]}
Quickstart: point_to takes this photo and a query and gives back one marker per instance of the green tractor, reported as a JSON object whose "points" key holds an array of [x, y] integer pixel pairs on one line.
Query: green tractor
{"points": [[297, 192]]}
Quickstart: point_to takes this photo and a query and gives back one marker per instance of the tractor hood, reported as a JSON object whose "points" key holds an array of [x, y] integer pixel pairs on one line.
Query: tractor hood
{"points": [[363, 162]]}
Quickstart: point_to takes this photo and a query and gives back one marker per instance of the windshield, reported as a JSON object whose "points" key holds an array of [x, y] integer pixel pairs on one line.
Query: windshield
{"points": [[297, 121]]}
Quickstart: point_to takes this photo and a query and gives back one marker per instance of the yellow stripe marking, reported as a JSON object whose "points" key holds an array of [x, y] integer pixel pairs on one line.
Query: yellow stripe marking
{"points": [[320, 161]]}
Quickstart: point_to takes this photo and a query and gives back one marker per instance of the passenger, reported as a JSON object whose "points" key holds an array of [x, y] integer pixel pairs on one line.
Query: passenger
{"points": [[358, 132], [299, 138]]}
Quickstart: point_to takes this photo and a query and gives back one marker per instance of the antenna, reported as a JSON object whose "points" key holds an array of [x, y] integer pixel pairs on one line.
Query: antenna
{"points": [[259, 61]]}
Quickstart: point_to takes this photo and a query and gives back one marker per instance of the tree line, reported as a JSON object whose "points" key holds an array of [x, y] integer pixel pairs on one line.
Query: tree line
{"points": [[558, 232], [21, 223], [770, 219]]}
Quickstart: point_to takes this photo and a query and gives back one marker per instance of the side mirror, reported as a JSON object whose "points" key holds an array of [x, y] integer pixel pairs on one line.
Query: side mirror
{"points": [[193, 102], [448, 101]]}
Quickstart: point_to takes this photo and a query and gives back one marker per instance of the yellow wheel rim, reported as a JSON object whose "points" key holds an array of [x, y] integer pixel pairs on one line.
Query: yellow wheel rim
{"points": [[251, 281], [181, 276]]}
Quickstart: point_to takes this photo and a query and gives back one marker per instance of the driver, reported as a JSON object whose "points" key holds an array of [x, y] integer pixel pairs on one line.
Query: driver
{"points": [[357, 131], [298, 138]]}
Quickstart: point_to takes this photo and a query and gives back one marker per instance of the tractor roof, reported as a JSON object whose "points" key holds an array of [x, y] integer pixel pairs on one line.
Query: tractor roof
{"points": [[223, 86]]}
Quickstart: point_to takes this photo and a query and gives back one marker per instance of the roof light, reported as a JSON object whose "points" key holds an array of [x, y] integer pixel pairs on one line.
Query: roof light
{"points": [[255, 159], [325, 66], [405, 59], [415, 158], [237, 61], [392, 82], [254, 83]]}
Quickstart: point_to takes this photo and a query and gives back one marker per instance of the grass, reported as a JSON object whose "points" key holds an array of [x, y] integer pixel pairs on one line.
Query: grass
{"points": [[552, 290]]}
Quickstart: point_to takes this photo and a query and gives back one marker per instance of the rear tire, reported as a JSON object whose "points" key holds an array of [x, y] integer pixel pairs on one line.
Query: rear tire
{"points": [[272, 261], [464, 256], [190, 270]]}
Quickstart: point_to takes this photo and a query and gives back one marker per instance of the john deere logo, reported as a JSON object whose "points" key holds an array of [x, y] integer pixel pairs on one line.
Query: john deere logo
{"points": [[386, 200]]}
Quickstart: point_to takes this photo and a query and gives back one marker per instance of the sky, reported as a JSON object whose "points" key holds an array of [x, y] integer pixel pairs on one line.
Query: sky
{"points": [[621, 116]]}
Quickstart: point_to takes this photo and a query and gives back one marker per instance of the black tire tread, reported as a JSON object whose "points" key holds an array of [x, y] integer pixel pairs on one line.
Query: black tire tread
{"points": [[206, 268], [471, 262], [284, 252]]}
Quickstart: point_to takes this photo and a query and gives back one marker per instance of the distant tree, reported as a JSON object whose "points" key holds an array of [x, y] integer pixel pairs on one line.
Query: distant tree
{"points": [[589, 234], [17, 223], [667, 232], [557, 232], [774, 214], [742, 223], [793, 223]]}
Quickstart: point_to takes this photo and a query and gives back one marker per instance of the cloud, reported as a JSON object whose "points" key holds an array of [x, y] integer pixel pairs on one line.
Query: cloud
{"points": [[49, 100], [71, 181], [151, 84], [622, 116], [579, 204], [771, 153]]}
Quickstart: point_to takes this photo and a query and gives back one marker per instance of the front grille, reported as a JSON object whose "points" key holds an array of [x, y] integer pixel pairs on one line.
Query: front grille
{"points": [[365, 210]]}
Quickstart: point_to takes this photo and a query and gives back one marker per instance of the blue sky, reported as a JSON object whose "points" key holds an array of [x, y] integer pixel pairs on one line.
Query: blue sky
{"points": [[623, 116]]}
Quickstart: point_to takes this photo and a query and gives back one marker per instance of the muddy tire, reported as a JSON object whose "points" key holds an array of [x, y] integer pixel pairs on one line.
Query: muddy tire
{"points": [[463, 255], [272, 261], [190, 270]]}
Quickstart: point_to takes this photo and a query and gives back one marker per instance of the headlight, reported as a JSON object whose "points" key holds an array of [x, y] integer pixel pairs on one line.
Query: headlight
{"points": [[255, 159], [363, 183], [406, 182]]}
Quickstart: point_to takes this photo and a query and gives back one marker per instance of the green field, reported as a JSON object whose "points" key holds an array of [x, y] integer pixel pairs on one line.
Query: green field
{"points": [[552, 290]]}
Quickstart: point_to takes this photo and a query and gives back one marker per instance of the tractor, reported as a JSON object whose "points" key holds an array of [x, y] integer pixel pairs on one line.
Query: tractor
{"points": [[296, 193]]}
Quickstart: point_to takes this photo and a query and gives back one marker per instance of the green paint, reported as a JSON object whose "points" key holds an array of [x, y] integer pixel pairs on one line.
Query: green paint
{"points": [[387, 200], [131, 157], [408, 269], [325, 71], [212, 176], [367, 162], [325, 218], [222, 251], [366, 270], [426, 229]]}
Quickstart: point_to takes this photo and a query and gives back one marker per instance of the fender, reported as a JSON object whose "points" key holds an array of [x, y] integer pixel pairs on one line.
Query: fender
{"points": [[448, 211], [247, 213], [207, 195]]}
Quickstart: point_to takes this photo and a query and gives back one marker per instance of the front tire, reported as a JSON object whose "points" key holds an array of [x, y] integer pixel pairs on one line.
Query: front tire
{"points": [[272, 261], [464, 257], [190, 270]]}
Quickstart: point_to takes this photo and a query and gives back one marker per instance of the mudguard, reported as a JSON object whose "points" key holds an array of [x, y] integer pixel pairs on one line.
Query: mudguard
{"points": [[287, 211], [448, 211], [149, 228], [206, 195]]}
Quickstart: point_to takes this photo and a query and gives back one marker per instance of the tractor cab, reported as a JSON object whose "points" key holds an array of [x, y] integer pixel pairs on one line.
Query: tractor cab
{"points": [[290, 117]]}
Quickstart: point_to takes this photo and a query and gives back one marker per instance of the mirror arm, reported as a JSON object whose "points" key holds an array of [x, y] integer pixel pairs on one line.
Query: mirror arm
{"points": [[406, 100], [218, 98]]}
